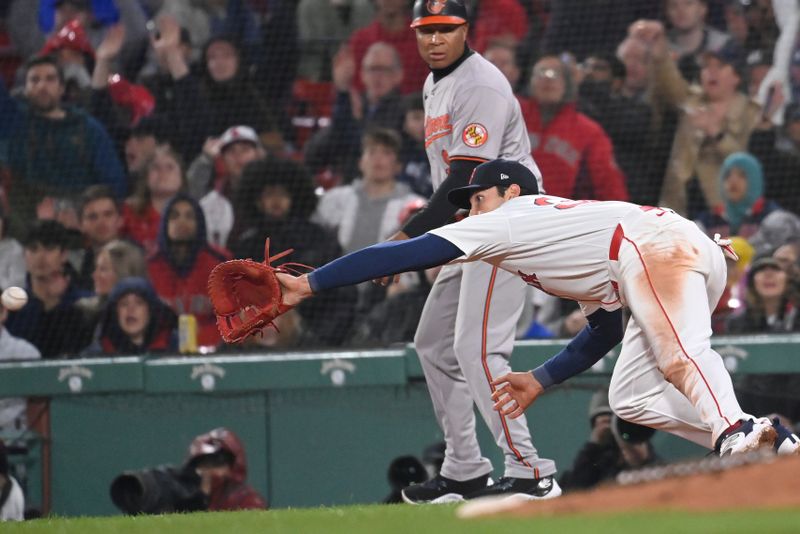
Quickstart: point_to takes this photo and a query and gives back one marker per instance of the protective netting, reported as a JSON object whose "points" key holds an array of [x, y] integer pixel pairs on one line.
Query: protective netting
{"points": [[155, 138]]}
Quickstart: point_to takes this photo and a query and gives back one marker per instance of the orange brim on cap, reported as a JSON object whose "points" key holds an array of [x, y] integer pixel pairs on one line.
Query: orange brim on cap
{"points": [[437, 19]]}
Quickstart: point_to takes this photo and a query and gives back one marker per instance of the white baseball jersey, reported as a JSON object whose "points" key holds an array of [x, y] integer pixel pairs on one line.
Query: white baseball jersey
{"points": [[472, 113], [558, 245]]}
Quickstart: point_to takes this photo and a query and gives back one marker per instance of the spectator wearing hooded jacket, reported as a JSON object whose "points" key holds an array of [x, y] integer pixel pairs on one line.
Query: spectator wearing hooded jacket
{"points": [[51, 149], [566, 144], [219, 459], [229, 96], [276, 200], [182, 263], [135, 322], [141, 213], [744, 211]]}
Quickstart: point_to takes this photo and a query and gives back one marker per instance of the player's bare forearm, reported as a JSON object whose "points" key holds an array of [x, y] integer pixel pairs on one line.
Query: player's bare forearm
{"points": [[295, 289], [515, 392]]}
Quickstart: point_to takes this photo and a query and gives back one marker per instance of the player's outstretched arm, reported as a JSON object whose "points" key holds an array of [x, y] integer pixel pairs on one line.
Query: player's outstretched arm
{"points": [[384, 259]]}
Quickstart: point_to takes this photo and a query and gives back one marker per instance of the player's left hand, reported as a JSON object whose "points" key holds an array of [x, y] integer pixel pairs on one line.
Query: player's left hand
{"points": [[515, 392]]}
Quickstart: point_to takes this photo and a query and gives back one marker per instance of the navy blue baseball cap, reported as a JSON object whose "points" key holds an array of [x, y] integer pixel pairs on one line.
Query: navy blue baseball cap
{"points": [[502, 172]]}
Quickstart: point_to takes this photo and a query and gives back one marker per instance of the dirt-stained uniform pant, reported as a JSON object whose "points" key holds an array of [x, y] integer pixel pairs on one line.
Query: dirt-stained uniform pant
{"points": [[464, 339], [667, 376]]}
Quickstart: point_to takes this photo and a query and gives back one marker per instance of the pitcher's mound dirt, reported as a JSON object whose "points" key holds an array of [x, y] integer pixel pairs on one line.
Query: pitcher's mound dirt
{"points": [[774, 483]]}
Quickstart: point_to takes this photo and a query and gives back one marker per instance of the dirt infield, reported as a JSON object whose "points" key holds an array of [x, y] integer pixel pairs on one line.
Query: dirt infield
{"points": [[771, 484]]}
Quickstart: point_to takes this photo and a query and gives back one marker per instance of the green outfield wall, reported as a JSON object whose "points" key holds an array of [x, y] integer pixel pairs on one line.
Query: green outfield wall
{"points": [[320, 428]]}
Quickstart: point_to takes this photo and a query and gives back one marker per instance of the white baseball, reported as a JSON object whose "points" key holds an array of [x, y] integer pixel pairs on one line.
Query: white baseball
{"points": [[14, 298]]}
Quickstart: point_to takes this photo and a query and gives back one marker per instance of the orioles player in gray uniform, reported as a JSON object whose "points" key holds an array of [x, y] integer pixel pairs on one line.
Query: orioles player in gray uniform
{"points": [[467, 328]]}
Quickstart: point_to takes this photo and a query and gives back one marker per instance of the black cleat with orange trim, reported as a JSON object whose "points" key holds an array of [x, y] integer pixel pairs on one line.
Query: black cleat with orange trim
{"points": [[442, 490]]}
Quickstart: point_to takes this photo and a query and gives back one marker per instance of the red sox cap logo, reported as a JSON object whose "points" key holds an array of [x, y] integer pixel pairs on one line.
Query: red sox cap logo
{"points": [[436, 6]]}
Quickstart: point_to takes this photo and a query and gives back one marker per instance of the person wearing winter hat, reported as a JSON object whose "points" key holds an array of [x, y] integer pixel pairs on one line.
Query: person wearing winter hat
{"points": [[219, 459], [744, 211], [770, 303], [135, 322]]}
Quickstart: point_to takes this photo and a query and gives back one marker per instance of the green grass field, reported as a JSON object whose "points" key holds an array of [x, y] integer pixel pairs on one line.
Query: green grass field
{"points": [[419, 520]]}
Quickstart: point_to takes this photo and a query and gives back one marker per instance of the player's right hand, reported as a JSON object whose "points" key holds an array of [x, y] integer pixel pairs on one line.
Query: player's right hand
{"points": [[515, 392]]}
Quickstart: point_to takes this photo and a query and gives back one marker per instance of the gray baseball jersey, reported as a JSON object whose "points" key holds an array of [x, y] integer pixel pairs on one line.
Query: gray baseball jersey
{"points": [[472, 113], [466, 331]]}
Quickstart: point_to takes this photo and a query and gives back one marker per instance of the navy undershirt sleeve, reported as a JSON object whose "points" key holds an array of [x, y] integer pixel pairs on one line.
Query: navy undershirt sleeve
{"points": [[384, 259], [602, 334]]}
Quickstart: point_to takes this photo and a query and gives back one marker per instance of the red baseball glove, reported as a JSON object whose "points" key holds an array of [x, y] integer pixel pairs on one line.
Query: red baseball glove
{"points": [[246, 294]]}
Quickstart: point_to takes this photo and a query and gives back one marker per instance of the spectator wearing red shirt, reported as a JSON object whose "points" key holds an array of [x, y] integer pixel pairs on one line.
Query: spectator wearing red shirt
{"points": [[181, 266], [573, 152], [503, 21], [141, 212], [391, 26]]}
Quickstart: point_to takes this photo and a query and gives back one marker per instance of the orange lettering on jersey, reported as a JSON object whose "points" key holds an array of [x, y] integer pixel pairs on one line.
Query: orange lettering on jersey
{"points": [[437, 127], [445, 157]]}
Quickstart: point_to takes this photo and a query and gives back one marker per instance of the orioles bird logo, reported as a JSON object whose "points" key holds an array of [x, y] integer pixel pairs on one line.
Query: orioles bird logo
{"points": [[436, 6]]}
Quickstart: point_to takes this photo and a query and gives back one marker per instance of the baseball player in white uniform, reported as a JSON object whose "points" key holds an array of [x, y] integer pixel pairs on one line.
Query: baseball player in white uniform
{"points": [[467, 328], [605, 255]]}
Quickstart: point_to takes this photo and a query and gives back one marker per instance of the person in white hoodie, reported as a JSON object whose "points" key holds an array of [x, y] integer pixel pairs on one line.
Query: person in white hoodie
{"points": [[12, 500], [12, 257], [13, 410], [368, 210]]}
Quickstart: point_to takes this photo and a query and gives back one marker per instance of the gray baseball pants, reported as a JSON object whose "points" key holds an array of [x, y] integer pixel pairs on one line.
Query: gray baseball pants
{"points": [[464, 339]]}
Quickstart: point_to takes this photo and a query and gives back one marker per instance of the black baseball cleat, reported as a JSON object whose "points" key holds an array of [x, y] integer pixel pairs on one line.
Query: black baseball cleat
{"points": [[441, 490], [531, 489]]}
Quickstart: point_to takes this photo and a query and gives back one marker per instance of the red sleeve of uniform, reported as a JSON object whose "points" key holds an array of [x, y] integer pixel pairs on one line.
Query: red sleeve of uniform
{"points": [[608, 182]]}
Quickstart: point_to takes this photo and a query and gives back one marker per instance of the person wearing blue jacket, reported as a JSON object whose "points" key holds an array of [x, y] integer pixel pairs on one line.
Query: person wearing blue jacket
{"points": [[51, 150]]}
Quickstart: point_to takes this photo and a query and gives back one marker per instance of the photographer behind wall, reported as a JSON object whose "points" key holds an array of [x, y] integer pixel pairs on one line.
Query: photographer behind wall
{"points": [[212, 478], [614, 445]]}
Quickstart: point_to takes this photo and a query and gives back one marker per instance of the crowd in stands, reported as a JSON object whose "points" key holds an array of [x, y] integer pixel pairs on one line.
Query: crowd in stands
{"points": [[142, 142]]}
